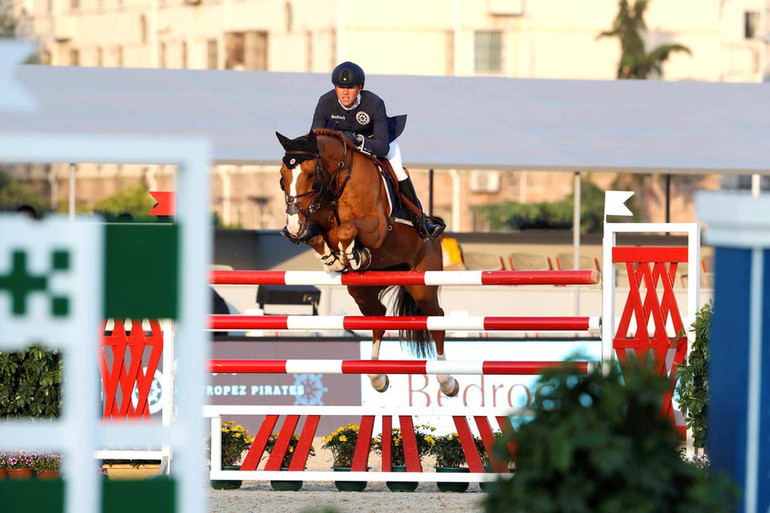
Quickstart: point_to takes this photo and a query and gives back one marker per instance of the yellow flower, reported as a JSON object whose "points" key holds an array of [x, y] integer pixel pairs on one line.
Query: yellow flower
{"points": [[343, 438]]}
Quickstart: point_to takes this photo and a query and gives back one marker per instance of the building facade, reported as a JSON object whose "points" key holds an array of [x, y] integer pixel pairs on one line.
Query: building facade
{"points": [[509, 38]]}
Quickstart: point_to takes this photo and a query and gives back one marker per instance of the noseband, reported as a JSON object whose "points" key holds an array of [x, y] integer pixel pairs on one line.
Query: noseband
{"points": [[320, 190]]}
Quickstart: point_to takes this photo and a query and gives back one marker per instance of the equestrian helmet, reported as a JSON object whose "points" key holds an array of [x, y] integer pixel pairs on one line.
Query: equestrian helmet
{"points": [[348, 74]]}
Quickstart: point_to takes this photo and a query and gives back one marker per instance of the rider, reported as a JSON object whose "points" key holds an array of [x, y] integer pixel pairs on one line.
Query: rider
{"points": [[360, 115]]}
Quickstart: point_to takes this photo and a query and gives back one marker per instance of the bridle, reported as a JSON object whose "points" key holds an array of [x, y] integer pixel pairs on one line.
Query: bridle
{"points": [[321, 190]]}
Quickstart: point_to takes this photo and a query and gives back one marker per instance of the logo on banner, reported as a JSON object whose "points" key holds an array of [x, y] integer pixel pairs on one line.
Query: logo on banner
{"points": [[154, 397], [312, 387], [21, 284], [48, 270]]}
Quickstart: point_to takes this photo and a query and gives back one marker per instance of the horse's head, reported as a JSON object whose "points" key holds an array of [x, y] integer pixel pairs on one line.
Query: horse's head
{"points": [[301, 180]]}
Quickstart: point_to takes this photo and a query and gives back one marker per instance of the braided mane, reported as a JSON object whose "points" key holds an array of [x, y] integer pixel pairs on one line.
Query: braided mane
{"points": [[332, 133]]}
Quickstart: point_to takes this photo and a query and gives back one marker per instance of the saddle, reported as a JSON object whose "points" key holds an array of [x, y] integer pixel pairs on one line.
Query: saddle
{"points": [[397, 210]]}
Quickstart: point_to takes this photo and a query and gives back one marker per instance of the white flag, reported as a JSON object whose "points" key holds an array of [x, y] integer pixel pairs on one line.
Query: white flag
{"points": [[50, 275], [614, 203]]}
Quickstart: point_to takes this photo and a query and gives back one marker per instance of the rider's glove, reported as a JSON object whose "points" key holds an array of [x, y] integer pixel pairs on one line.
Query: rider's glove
{"points": [[360, 141]]}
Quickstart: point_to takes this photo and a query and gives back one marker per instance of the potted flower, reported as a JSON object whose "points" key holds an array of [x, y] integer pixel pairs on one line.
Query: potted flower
{"points": [[20, 465], [286, 485], [449, 458], [485, 460], [342, 444], [425, 440], [47, 466], [235, 440]]}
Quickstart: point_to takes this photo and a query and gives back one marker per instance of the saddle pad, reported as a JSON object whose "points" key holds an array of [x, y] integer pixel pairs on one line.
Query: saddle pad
{"points": [[391, 185]]}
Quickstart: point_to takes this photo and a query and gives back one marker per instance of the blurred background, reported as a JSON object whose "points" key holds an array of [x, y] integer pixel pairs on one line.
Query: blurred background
{"points": [[694, 40]]}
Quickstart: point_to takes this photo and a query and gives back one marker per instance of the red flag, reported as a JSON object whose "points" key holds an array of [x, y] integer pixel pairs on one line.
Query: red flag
{"points": [[166, 203]]}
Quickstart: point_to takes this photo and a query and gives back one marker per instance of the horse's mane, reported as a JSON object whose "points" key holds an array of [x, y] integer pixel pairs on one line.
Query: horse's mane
{"points": [[332, 133]]}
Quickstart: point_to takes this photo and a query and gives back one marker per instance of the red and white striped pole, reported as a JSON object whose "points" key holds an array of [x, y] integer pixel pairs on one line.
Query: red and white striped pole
{"points": [[576, 277], [432, 323], [390, 367]]}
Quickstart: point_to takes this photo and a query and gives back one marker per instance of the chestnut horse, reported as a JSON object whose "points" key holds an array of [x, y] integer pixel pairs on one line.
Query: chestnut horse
{"points": [[337, 203]]}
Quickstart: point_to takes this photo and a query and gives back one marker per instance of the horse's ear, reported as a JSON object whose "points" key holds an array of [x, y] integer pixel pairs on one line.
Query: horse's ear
{"points": [[282, 139], [312, 141]]}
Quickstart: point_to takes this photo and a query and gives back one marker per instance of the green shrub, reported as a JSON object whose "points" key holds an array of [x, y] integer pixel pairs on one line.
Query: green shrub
{"points": [[30, 383], [511, 215], [130, 202], [599, 444], [693, 387], [14, 194]]}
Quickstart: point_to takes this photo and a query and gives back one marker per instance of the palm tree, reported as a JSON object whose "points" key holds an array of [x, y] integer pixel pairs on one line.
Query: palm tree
{"points": [[635, 61], [8, 20]]}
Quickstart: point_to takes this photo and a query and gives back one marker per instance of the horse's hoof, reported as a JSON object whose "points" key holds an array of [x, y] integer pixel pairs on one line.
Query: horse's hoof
{"points": [[455, 390], [384, 387]]}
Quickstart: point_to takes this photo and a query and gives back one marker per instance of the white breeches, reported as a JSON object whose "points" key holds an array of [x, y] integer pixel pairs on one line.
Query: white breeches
{"points": [[394, 157]]}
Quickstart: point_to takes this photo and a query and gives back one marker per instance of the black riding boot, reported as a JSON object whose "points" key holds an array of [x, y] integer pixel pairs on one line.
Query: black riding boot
{"points": [[427, 227]]}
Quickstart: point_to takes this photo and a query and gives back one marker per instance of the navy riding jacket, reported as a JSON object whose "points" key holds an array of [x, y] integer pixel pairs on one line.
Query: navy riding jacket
{"points": [[368, 118]]}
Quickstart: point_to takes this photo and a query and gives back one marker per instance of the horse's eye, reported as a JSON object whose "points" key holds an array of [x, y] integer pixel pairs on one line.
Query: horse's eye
{"points": [[311, 175]]}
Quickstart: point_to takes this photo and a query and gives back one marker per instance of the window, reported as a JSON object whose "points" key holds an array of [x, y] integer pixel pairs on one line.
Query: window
{"points": [[74, 57], [256, 50], [99, 57], [308, 51], [246, 50], [143, 28], [119, 56], [211, 54], [289, 16], [162, 56], [750, 22], [234, 50], [488, 51], [184, 55]]}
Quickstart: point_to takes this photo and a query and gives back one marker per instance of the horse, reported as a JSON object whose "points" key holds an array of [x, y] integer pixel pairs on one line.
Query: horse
{"points": [[337, 203]]}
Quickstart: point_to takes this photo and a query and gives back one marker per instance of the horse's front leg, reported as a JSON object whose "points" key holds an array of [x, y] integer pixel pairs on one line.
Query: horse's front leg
{"points": [[368, 300], [449, 385], [324, 253], [427, 300], [380, 382], [370, 232]]}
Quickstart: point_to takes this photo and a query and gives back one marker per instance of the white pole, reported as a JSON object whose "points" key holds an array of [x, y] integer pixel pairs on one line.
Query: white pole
{"points": [[576, 239]]}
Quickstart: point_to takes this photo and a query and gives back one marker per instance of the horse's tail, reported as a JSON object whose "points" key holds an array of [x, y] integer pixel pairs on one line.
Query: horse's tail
{"points": [[417, 342]]}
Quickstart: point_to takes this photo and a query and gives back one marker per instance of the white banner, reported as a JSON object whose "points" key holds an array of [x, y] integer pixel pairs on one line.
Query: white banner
{"points": [[48, 271], [490, 391]]}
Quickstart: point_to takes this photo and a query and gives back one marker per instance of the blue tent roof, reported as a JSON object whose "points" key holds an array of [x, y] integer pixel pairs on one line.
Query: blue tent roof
{"points": [[454, 122]]}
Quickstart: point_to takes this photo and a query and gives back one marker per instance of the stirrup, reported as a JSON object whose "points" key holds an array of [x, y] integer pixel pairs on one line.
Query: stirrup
{"points": [[434, 227], [428, 228]]}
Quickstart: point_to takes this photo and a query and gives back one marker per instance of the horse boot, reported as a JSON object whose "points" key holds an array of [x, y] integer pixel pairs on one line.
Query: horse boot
{"points": [[425, 226]]}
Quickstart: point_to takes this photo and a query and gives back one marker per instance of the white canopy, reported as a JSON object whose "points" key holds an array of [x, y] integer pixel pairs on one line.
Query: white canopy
{"points": [[454, 122]]}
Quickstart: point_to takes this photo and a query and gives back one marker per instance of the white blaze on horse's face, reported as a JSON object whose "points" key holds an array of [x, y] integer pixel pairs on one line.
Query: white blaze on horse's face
{"points": [[292, 221]]}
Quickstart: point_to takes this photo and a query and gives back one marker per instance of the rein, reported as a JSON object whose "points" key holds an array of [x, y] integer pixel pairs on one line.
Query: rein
{"points": [[321, 190]]}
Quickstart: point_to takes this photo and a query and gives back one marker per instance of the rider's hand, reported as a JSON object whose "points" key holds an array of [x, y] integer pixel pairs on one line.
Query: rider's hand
{"points": [[350, 135]]}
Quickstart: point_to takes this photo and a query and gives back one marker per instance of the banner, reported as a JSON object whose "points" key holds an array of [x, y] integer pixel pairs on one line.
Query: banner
{"points": [[43, 267]]}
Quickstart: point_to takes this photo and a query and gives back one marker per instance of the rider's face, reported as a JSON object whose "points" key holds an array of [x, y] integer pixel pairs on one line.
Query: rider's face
{"points": [[347, 95]]}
